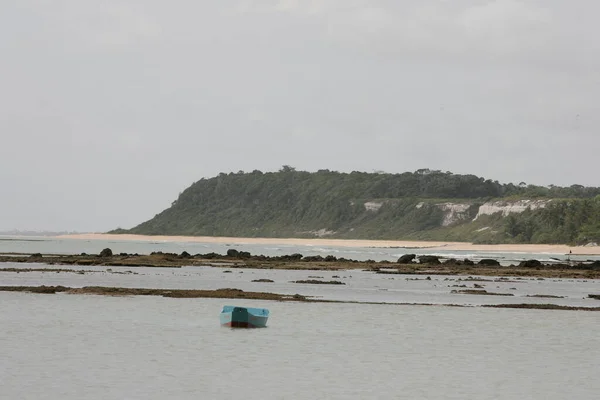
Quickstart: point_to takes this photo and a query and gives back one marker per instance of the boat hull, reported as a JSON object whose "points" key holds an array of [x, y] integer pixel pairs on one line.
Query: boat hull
{"points": [[244, 317]]}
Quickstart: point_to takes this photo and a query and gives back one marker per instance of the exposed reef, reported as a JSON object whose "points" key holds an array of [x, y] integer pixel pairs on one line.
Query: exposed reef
{"points": [[318, 282], [228, 293], [426, 265]]}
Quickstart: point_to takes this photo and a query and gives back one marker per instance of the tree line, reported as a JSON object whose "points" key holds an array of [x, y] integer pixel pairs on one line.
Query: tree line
{"points": [[299, 203]]}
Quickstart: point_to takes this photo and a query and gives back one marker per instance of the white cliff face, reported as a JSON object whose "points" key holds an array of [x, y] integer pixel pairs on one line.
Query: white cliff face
{"points": [[453, 212], [372, 206], [322, 232], [456, 212], [506, 207]]}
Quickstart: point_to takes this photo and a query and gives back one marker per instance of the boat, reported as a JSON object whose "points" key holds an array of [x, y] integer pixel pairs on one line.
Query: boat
{"points": [[244, 317]]}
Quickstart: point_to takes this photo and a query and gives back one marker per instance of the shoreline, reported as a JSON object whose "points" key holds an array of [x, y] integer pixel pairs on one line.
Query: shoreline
{"points": [[429, 245]]}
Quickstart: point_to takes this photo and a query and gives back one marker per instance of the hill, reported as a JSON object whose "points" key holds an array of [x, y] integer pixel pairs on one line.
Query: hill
{"points": [[423, 205]]}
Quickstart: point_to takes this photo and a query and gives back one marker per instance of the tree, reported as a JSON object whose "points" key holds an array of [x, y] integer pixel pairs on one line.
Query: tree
{"points": [[287, 168]]}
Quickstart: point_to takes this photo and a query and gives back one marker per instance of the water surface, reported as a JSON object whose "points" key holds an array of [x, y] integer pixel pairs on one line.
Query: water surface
{"points": [[96, 347]]}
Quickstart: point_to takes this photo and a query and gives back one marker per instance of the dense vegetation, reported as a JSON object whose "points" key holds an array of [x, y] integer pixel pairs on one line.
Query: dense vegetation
{"points": [[291, 203]]}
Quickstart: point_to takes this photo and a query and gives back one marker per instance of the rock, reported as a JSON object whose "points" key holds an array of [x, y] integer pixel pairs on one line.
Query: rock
{"points": [[185, 254], [106, 253], [595, 264], [238, 254], [466, 261], [244, 254], [452, 261], [488, 261], [317, 282], [530, 264], [479, 291], [233, 253], [263, 280], [406, 258], [290, 257], [36, 255], [313, 258], [209, 256], [429, 260]]}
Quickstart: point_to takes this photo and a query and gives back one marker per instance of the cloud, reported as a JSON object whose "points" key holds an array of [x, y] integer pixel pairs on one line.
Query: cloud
{"points": [[108, 24], [297, 7], [122, 26], [496, 28], [490, 28]]}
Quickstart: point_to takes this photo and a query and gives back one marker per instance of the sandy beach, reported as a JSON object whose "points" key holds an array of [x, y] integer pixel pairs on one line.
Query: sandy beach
{"points": [[500, 248]]}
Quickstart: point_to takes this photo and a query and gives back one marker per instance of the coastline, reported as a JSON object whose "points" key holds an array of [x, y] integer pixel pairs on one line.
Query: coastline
{"points": [[458, 246]]}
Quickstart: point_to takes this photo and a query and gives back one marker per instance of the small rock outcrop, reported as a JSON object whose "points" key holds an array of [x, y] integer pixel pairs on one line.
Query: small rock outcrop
{"points": [[106, 253], [185, 254], [488, 262], [530, 264], [595, 264], [238, 254], [290, 257], [233, 253], [429, 260], [406, 258], [313, 258]]}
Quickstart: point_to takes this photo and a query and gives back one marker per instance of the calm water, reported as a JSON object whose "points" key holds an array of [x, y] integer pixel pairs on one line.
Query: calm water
{"points": [[359, 285], [95, 347]]}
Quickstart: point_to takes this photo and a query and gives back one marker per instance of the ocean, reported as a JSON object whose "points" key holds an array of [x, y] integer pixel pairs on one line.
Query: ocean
{"points": [[66, 346]]}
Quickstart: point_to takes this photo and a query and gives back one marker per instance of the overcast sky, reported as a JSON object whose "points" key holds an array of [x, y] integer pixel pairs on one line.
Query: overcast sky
{"points": [[109, 109]]}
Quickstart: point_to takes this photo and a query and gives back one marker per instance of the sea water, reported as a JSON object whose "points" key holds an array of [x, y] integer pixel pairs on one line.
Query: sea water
{"points": [[97, 347], [65, 346]]}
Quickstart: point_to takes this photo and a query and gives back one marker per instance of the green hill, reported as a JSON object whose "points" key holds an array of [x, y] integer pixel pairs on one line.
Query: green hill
{"points": [[425, 205]]}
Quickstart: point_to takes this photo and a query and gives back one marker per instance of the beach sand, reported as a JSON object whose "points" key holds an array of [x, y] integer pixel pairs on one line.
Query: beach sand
{"points": [[463, 246]]}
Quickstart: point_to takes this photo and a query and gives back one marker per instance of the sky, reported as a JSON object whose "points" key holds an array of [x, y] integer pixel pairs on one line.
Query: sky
{"points": [[109, 109]]}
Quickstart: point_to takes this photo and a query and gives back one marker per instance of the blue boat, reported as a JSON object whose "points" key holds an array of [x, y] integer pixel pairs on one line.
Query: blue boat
{"points": [[244, 317]]}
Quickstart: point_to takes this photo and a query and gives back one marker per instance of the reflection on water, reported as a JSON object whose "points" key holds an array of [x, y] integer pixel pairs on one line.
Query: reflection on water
{"points": [[96, 347]]}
